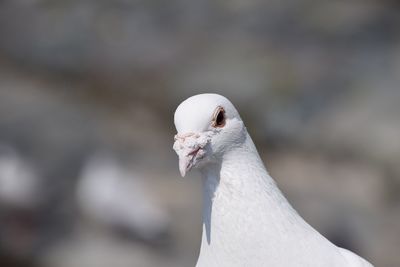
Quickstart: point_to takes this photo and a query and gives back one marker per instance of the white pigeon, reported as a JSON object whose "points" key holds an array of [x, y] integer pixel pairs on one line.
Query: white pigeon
{"points": [[246, 219]]}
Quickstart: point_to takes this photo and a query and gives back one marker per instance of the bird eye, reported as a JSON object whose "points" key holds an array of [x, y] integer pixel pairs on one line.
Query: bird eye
{"points": [[219, 118]]}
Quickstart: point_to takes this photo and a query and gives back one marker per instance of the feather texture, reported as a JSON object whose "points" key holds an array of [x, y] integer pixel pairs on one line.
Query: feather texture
{"points": [[246, 219]]}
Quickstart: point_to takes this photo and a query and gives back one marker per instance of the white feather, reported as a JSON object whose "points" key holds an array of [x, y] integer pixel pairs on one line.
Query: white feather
{"points": [[246, 219]]}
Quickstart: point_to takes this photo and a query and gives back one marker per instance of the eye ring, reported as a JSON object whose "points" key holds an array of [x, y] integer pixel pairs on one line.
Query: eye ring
{"points": [[219, 119]]}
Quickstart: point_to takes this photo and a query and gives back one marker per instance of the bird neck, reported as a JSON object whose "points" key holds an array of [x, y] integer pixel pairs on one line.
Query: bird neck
{"points": [[240, 197]]}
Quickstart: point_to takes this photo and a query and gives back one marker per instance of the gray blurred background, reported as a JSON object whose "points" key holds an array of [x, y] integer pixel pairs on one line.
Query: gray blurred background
{"points": [[88, 89]]}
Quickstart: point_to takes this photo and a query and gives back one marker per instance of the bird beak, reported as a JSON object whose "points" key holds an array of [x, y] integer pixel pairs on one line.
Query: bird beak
{"points": [[183, 166], [186, 161], [189, 148]]}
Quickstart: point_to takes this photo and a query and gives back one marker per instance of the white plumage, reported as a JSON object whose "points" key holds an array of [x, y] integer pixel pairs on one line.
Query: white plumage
{"points": [[246, 219]]}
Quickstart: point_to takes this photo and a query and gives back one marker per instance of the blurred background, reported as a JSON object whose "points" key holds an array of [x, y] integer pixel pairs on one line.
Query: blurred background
{"points": [[88, 89]]}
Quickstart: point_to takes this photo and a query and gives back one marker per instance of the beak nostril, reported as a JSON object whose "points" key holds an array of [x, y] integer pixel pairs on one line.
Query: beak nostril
{"points": [[194, 152], [190, 148], [182, 137]]}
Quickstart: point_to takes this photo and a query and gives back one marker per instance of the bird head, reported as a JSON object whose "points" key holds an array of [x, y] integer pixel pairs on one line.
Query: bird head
{"points": [[208, 126]]}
